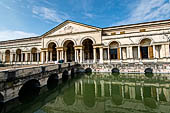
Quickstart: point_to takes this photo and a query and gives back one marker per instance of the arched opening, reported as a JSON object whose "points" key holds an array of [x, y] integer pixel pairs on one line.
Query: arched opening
{"points": [[34, 54], [146, 50], [88, 49], [52, 53], [69, 51], [18, 53], [29, 90], [149, 72], [115, 72], [114, 50], [52, 81], [88, 70], [7, 56]]}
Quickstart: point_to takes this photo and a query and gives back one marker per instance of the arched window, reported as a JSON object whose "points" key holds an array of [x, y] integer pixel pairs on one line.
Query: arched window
{"points": [[69, 49], [18, 55], [88, 49], [52, 50], [114, 50], [146, 50], [7, 56], [34, 54]]}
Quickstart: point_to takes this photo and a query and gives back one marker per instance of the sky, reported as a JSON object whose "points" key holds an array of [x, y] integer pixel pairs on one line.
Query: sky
{"points": [[29, 18]]}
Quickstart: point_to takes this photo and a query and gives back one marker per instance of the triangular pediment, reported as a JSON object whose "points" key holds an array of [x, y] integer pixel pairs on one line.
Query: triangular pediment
{"points": [[69, 27]]}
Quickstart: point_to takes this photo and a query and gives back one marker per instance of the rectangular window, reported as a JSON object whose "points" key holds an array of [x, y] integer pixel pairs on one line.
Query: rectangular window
{"points": [[113, 53], [135, 52]]}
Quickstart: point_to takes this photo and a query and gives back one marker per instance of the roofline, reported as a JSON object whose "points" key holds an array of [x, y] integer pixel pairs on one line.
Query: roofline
{"points": [[46, 33], [20, 39], [136, 24]]}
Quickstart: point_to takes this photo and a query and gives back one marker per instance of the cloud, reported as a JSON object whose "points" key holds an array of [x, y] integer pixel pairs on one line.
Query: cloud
{"points": [[10, 35], [50, 14], [89, 15], [148, 10]]}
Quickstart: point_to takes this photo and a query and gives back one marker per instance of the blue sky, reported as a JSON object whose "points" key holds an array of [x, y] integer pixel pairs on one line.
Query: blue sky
{"points": [[26, 18]]}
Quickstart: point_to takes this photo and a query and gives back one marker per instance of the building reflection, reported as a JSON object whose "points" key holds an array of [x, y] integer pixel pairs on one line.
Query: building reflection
{"points": [[98, 95]]}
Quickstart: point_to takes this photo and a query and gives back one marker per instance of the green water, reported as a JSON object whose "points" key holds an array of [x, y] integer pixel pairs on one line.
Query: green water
{"points": [[104, 93]]}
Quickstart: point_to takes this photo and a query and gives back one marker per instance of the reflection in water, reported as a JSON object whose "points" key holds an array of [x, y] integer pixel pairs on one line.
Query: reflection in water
{"points": [[97, 93]]}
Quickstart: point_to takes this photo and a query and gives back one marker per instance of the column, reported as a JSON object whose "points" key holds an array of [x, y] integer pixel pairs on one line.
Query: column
{"points": [[77, 52], [108, 53], [51, 56], [62, 56], [154, 52], [11, 57], [58, 55], [101, 55], [120, 53], [46, 56], [139, 52], [26, 57], [127, 52], [75, 55], [42, 57], [15, 57], [81, 55], [21, 57], [4, 57], [65, 56], [94, 55], [38, 57], [130, 52]]}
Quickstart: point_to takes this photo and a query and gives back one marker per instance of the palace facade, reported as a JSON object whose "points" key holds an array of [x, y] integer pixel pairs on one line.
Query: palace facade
{"points": [[73, 41]]}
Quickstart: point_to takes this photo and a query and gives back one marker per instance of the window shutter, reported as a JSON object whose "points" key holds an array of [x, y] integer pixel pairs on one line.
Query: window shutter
{"points": [[150, 52], [118, 53]]}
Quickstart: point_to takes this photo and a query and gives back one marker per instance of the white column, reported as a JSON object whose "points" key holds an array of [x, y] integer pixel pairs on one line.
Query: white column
{"points": [[21, 57], [58, 55], [15, 57], [75, 55], [47, 56], [154, 52], [42, 57], [65, 56], [108, 56], [94, 55], [101, 55], [51, 56], [11, 57], [81, 55], [38, 57], [130, 52], [26, 57], [139, 52], [120, 53], [62, 56]]}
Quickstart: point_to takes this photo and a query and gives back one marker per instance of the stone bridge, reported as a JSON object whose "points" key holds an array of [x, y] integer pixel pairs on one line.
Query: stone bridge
{"points": [[27, 81]]}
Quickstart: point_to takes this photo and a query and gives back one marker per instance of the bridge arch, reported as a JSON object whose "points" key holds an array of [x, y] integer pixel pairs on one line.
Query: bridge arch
{"points": [[52, 81], [29, 90]]}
